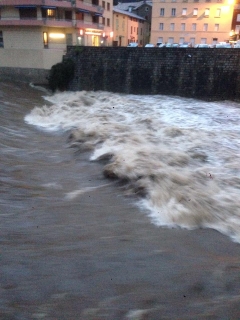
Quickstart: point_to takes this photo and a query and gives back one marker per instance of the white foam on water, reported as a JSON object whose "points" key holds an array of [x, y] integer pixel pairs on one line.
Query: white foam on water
{"points": [[182, 154]]}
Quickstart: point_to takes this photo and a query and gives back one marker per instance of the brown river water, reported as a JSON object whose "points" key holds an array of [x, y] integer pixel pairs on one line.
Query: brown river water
{"points": [[118, 206]]}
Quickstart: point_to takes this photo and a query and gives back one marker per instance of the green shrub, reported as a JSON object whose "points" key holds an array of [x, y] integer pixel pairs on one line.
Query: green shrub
{"points": [[60, 75]]}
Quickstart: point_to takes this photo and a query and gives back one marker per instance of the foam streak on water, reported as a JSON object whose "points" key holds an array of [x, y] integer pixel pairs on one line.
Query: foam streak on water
{"points": [[181, 155]]}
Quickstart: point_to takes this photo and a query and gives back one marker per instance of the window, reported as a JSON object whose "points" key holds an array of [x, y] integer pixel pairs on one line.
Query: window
{"points": [[192, 40], [103, 21], [208, 0], [108, 6], [181, 40], [103, 4], [29, 13], [237, 28], [182, 26], [117, 23], [205, 27], [161, 26], [141, 32], [194, 27], [160, 40], [184, 11], [172, 26], [1, 39], [218, 13], [203, 40], [195, 11], [216, 27], [50, 13], [146, 9], [206, 13], [238, 17], [131, 29], [108, 22], [173, 11], [68, 15], [170, 40], [162, 12]]}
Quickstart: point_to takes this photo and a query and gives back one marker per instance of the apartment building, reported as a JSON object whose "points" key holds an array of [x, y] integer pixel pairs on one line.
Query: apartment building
{"points": [[235, 31], [132, 23], [35, 33], [193, 21]]}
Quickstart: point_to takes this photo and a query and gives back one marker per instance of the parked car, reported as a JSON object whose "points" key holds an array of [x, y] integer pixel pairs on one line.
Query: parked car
{"points": [[159, 44], [185, 45], [132, 45], [202, 45], [175, 45], [223, 45], [149, 45], [237, 45]]}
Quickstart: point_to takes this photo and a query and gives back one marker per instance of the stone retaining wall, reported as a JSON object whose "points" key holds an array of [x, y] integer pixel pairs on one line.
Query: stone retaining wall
{"points": [[208, 74]]}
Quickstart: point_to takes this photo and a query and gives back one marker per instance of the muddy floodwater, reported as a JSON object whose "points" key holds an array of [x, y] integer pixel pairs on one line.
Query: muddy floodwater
{"points": [[118, 207]]}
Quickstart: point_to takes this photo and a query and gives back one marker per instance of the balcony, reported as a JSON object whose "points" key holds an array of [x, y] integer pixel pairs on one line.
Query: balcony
{"points": [[90, 25], [77, 4], [81, 24]]}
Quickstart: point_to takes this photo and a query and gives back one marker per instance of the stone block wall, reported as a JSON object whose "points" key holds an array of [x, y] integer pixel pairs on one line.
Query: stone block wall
{"points": [[202, 73]]}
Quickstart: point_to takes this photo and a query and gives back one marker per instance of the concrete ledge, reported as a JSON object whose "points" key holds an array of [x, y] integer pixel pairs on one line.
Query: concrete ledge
{"points": [[38, 76]]}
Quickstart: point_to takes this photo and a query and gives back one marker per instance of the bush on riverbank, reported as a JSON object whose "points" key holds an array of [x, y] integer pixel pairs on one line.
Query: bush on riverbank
{"points": [[60, 75]]}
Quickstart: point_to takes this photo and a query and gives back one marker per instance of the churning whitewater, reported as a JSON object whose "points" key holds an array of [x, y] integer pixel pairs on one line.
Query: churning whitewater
{"points": [[181, 156]]}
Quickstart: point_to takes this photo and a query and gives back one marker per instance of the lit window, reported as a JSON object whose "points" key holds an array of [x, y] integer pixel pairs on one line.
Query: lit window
{"points": [[162, 12], [218, 13], [45, 39], [195, 12], [50, 12], [182, 26], [173, 11], [216, 27], [172, 26], [205, 27], [161, 26], [184, 12], [207, 12], [194, 27]]}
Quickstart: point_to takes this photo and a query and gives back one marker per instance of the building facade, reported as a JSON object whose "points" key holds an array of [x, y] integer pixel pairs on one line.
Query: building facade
{"points": [[35, 33], [193, 21], [235, 32], [132, 23]]}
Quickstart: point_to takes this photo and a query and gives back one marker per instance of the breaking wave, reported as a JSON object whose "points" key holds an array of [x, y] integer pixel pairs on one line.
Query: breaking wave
{"points": [[180, 156]]}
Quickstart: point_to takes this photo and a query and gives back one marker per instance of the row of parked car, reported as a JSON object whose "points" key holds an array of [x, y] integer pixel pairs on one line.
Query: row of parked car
{"points": [[187, 45]]}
